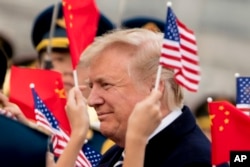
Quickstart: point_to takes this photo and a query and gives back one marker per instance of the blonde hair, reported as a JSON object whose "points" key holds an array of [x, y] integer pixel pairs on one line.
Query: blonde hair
{"points": [[144, 46]]}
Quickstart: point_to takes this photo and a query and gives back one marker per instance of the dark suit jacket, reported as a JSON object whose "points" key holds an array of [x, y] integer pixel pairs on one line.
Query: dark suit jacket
{"points": [[181, 144], [21, 146]]}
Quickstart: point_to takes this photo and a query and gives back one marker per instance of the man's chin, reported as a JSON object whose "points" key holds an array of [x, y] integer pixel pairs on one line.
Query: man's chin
{"points": [[105, 130]]}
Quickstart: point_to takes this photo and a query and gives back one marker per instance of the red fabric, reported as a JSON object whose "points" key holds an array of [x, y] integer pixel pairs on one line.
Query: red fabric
{"points": [[48, 83], [229, 130], [81, 18]]}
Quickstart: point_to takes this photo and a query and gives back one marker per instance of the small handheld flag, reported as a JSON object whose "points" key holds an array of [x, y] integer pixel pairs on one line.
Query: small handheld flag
{"points": [[50, 85], [60, 138], [179, 51], [81, 18], [243, 93], [93, 156], [229, 130]]}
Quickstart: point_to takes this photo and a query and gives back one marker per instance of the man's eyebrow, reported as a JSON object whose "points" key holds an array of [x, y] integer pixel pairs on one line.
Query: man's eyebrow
{"points": [[100, 80], [86, 81]]}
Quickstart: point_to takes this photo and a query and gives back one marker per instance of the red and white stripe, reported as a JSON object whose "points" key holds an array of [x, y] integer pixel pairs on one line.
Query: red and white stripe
{"points": [[182, 56]]}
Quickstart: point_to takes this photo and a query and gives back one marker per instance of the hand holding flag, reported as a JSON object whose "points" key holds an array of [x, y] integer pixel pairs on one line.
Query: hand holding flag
{"points": [[79, 121], [60, 138], [86, 157]]}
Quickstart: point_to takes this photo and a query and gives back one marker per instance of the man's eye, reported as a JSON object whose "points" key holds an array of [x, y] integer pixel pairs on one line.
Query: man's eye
{"points": [[90, 85], [105, 85]]}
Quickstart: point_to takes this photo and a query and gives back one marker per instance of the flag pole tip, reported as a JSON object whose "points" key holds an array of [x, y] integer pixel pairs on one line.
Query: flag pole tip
{"points": [[32, 85], [209, 99], [169, 3], [236, 74]]}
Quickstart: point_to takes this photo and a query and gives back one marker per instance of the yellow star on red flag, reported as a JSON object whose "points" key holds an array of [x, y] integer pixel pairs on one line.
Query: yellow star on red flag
{"points": [[81, 18], [229, 130]]}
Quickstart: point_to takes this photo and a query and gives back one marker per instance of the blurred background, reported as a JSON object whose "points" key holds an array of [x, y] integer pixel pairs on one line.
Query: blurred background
{"points": [[222, 30]]}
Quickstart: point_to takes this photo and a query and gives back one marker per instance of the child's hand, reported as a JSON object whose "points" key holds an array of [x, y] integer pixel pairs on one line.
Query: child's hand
{"points": [[76, 109], [146, 115]]}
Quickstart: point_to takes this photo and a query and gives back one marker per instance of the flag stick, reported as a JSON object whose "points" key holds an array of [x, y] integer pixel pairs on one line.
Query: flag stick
{"points": [[169, 3], [209, 99], [52, 27], [158, 76], [75, 77], [48, 64], [237, 75], [121, 8]]}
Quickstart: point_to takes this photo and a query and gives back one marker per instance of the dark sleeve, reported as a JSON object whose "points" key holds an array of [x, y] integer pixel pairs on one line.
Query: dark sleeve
{"points": [[206, 165], [110, 156], [223, 165], [198, 165], [20, 145]]}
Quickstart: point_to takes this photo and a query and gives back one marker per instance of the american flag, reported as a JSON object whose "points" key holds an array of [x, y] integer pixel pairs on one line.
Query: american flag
{"points": [[60, 139], [93, 156], [179, 51], [243, 94]]}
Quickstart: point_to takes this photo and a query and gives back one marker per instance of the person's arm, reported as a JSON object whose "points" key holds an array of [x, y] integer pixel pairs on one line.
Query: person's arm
{"points": [[79, 121], [145, 117], [13, 111]]}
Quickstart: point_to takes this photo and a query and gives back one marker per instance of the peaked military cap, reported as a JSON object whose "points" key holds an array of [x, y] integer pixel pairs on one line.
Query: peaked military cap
{"points": [[144, 22], [41, 29]]}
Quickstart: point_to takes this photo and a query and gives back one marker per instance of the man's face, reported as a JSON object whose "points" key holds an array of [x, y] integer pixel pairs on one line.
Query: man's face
{"points": [[83, 80], [61, 62], [114, 93]]}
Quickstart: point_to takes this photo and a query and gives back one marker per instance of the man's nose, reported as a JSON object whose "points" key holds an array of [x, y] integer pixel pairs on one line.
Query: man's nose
{"points": [[94, 97]]}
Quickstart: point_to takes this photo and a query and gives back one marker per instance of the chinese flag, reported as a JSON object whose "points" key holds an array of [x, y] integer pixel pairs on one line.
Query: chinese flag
{"points": [[229, 131], [50, 86], [81, 18]]}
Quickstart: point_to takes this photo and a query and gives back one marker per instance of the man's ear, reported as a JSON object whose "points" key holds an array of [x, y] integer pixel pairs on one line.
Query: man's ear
{"points": [[161, 86]]}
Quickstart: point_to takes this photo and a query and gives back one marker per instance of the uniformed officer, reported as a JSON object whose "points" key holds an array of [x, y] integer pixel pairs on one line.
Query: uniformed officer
{"points": [[59, 59]]}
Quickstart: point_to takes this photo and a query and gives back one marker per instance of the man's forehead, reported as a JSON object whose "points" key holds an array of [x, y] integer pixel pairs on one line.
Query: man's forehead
{"points": [[111, 76]]}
